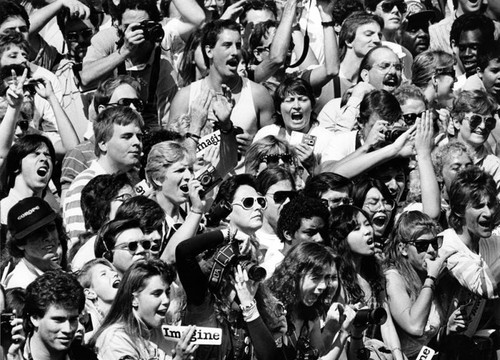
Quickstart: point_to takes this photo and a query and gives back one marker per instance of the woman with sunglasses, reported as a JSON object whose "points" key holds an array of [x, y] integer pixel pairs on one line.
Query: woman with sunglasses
{"points": [[413, 268], [296, 123], [353, 240], [277, 185], [132, 327], [221, 290]]}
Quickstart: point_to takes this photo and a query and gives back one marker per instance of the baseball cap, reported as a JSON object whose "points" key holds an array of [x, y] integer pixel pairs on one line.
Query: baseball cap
{"points": [[28, 215], [417, 13]]}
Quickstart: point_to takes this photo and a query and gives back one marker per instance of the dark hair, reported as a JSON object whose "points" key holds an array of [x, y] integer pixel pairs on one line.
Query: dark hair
{"points": [[11, 8], [148, 6], [187, 67], [15, 299], [13, 38], [302, 259], [260, 32], [211, 32], [342, 224], [344, 8], [229, 187], [106, 88], [321, 183], [471, 22], [146, 211], [491, 52], [25, 145], [97, 196], [379, 102], [363, 185], [351, 25], [106, 237], [476, 101], [302, 207], [257, 5], [293, 86], [372, 4], [469, 187], [272, 175], [134, 280], [54, 288], [116, 115], [64, 15]]}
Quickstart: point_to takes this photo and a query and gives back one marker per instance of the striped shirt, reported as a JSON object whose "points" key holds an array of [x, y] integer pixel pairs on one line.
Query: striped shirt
{"points": [[72, 210], [76, 161]]}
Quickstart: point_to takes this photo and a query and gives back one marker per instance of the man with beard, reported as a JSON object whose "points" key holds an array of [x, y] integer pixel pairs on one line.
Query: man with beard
{"points": [[77, 34], [415, 35], [380, 69], [133, 48], [470, 33], [253, 106]]}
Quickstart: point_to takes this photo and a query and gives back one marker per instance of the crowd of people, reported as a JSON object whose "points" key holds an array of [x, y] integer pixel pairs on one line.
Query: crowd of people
{"points": [[250, 179]]}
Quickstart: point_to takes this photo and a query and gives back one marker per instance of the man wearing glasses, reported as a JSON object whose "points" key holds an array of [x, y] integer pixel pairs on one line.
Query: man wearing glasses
{"points": [[473, 117]]}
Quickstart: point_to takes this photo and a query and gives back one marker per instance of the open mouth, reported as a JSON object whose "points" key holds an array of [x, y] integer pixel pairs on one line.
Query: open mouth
{"points": [[233, 62], [184, 188], [391, 81], [370, 241], [379, 220], [116, 283], [296, 116], [485, 223], [42, 171], [162, 312]]}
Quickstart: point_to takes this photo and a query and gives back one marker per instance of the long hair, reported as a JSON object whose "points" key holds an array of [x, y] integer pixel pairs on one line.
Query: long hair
{"points": [[343, 223], [134, 280], [302, 259], [410, 226]]}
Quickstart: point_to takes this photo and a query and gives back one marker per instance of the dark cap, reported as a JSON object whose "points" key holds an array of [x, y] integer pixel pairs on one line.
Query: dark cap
{"points": [[28, 215], [417, 13]]}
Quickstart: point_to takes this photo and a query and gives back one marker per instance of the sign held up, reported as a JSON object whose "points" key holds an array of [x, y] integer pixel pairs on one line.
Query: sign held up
{"points": [[201, 335]]}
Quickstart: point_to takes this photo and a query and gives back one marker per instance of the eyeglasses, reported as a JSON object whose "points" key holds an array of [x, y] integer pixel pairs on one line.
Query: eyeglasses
{"points": [[374, 205], [138, 104], [475, 120], [332, 203], [423, 245], [247, 203], [450, 71], [410, 118], [262, 48], [386, 66], [74, 36], [387, 6], [134, 245], [23, 29], [280, 197], [273, 159], [122, 197]]}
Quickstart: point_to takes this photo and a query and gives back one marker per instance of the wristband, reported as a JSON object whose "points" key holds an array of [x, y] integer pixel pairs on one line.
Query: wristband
{"points": [[431, 277], [193, 136], [196, 212], [428, 287], [328, 23]]}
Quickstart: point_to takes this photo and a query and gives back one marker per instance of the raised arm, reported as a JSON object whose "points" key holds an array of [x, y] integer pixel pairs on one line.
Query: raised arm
{"points": [[42, 16], [192, 15]]}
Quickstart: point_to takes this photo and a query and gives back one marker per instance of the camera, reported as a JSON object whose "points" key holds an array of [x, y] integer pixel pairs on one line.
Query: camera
{"points": [[218, 213], [254, 271], [152, 30], [208, 180], [305, 351], [365, 317], [6, 327], [393, 133]]}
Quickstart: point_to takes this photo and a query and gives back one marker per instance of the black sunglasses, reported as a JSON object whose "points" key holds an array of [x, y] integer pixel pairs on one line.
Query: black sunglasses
{"points": [[475, 120], [423, 245], [134, 245], [387, 6], [410, 118], [450, 71], [280, 197], [248, 202], [138, 104], [74, 36], [337, 202], [273, 159]]}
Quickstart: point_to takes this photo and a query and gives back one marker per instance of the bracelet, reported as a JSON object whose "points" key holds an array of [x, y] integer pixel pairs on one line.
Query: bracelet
{"points": [[328, 23], [193, 136], [196, 212], [431, 277], [428, 287]]}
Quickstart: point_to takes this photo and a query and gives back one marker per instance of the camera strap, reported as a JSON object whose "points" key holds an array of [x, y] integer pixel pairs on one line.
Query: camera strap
{"points": [[222, 259], [305, 50]]}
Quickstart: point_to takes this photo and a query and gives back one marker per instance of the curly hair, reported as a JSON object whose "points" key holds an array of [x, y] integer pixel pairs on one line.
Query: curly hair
{"points": [[442, 154], [344, 221], [302, 207], [307, 258], [470, 187], [471, 22], [53, 288], [409, 227]]}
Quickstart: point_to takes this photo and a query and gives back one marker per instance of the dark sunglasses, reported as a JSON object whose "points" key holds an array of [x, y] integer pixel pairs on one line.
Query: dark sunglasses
{"points": [[475, 120], [410, 118], [337, 202], [273, 159], [280, 197], [445, 71], [74, 36], [423, 245], [134, 245], [248, 202], [387, 6], [138, 104]]}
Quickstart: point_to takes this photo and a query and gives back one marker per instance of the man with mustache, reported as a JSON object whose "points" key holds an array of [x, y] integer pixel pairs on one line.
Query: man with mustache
{"points": [[415, 35]]}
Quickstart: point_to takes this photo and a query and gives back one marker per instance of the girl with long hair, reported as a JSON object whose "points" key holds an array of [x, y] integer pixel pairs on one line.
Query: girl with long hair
{"points": [[132, 325], [305, 282]]}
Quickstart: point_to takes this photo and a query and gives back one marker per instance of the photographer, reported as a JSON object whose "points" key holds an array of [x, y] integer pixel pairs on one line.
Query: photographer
{"points": [[133, 48], [231, 297]]}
